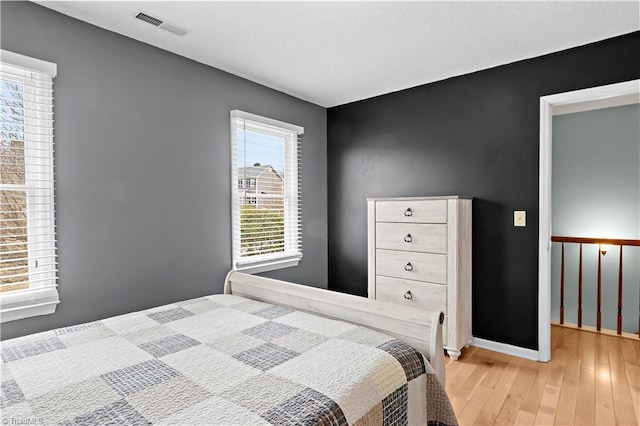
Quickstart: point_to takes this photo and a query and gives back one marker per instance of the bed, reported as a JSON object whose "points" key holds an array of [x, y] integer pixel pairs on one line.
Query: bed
{"points": [[265, 352]]}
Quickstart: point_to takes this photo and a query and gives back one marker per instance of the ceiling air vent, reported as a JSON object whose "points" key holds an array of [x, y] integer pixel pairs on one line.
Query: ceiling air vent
{"points": [[148, 18], [159, 22]]}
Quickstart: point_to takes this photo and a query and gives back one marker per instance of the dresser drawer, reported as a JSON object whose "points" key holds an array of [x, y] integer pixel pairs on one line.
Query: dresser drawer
{"points": [[421, 237], [417, 211], [412, 265], [421, 295]]}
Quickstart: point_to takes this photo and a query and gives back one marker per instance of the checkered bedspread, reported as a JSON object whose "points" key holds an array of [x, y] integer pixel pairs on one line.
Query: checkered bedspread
{"points": [[221, 359]]}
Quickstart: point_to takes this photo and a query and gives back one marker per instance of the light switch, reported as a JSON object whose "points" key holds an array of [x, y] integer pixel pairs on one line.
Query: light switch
{"points": [[519, 218]]}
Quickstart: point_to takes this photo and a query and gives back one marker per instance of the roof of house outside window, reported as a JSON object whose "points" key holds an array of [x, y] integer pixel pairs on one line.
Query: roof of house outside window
{"points": [[255, 171]]}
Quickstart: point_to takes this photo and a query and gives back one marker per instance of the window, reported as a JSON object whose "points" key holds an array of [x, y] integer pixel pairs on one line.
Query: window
{"points": [[247, 201], [265, 190], [27, 229]]}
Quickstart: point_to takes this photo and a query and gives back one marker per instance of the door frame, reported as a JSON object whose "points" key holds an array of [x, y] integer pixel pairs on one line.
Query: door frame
{"points": [[611, 95]]}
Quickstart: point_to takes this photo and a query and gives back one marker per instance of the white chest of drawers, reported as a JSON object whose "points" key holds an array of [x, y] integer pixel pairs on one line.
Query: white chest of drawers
{"points": [[420, 255]]}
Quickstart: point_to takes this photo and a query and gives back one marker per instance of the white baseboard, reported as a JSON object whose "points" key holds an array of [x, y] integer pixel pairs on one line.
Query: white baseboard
{"points": [[505, 348]]}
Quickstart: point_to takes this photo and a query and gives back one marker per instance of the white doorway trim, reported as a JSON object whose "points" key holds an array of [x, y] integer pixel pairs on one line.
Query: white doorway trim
{"points": [[563, 103]]}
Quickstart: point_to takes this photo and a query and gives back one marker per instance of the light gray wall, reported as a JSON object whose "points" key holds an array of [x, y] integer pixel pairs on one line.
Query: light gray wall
{"points": [[142, 169], [596, 193]]}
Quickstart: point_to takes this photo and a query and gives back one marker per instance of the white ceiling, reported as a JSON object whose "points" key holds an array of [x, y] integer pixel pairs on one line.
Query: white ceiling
{"points": [[331, 53]]}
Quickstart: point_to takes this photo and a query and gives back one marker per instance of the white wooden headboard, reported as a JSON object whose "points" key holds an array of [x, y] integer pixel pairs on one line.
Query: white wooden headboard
{"points": [[420, 328]]}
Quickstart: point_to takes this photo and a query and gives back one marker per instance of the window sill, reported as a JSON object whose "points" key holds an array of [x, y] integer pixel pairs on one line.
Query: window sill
{"points": [[267, 265], [25, 304]]}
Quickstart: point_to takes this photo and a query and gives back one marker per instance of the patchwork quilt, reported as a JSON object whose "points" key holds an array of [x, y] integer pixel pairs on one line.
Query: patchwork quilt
{"points": [[218, 360]]}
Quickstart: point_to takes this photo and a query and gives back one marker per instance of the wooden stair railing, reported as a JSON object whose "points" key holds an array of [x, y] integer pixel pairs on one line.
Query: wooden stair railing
{"points": [[600, 241]]}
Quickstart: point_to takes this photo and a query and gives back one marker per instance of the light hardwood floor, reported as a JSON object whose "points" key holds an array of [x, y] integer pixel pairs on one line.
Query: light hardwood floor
{"points": [[592, 379]]}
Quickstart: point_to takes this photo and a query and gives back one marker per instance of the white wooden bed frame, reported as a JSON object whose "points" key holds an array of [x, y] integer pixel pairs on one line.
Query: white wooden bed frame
{"points": [[419, 328]]}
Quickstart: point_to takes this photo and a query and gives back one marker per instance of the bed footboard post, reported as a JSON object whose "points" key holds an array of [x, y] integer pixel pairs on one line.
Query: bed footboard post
{"points": [[436, 348], [227, 283]]}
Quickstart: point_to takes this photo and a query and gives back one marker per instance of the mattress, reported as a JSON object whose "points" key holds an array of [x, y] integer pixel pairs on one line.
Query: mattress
{"points": [[221, 359]]}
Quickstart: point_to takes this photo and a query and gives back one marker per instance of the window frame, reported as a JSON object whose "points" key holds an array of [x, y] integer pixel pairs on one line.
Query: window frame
{"points": [[41, 298], [292, 253]]}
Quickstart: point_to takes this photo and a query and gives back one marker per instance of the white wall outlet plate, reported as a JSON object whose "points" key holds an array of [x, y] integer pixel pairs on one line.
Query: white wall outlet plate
{"points": [[519, 218]]}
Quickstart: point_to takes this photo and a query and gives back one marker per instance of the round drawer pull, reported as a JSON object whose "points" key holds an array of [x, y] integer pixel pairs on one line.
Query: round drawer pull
{"points": [[408, 212], [408, 238], [408, 267], [408, 295]]}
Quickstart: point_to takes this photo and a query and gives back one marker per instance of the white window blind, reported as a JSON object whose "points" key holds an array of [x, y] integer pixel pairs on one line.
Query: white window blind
{"points": [[265, 188], [27, 229]]}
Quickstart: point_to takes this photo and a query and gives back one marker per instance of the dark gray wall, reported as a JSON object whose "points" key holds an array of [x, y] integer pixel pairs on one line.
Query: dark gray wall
{"points": [[475, 135], [142, 169], [596, 193]]}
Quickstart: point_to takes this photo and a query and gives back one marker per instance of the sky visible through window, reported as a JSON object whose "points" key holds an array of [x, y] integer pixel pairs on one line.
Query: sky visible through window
{"points": [[11, 111], [260, 148]]}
